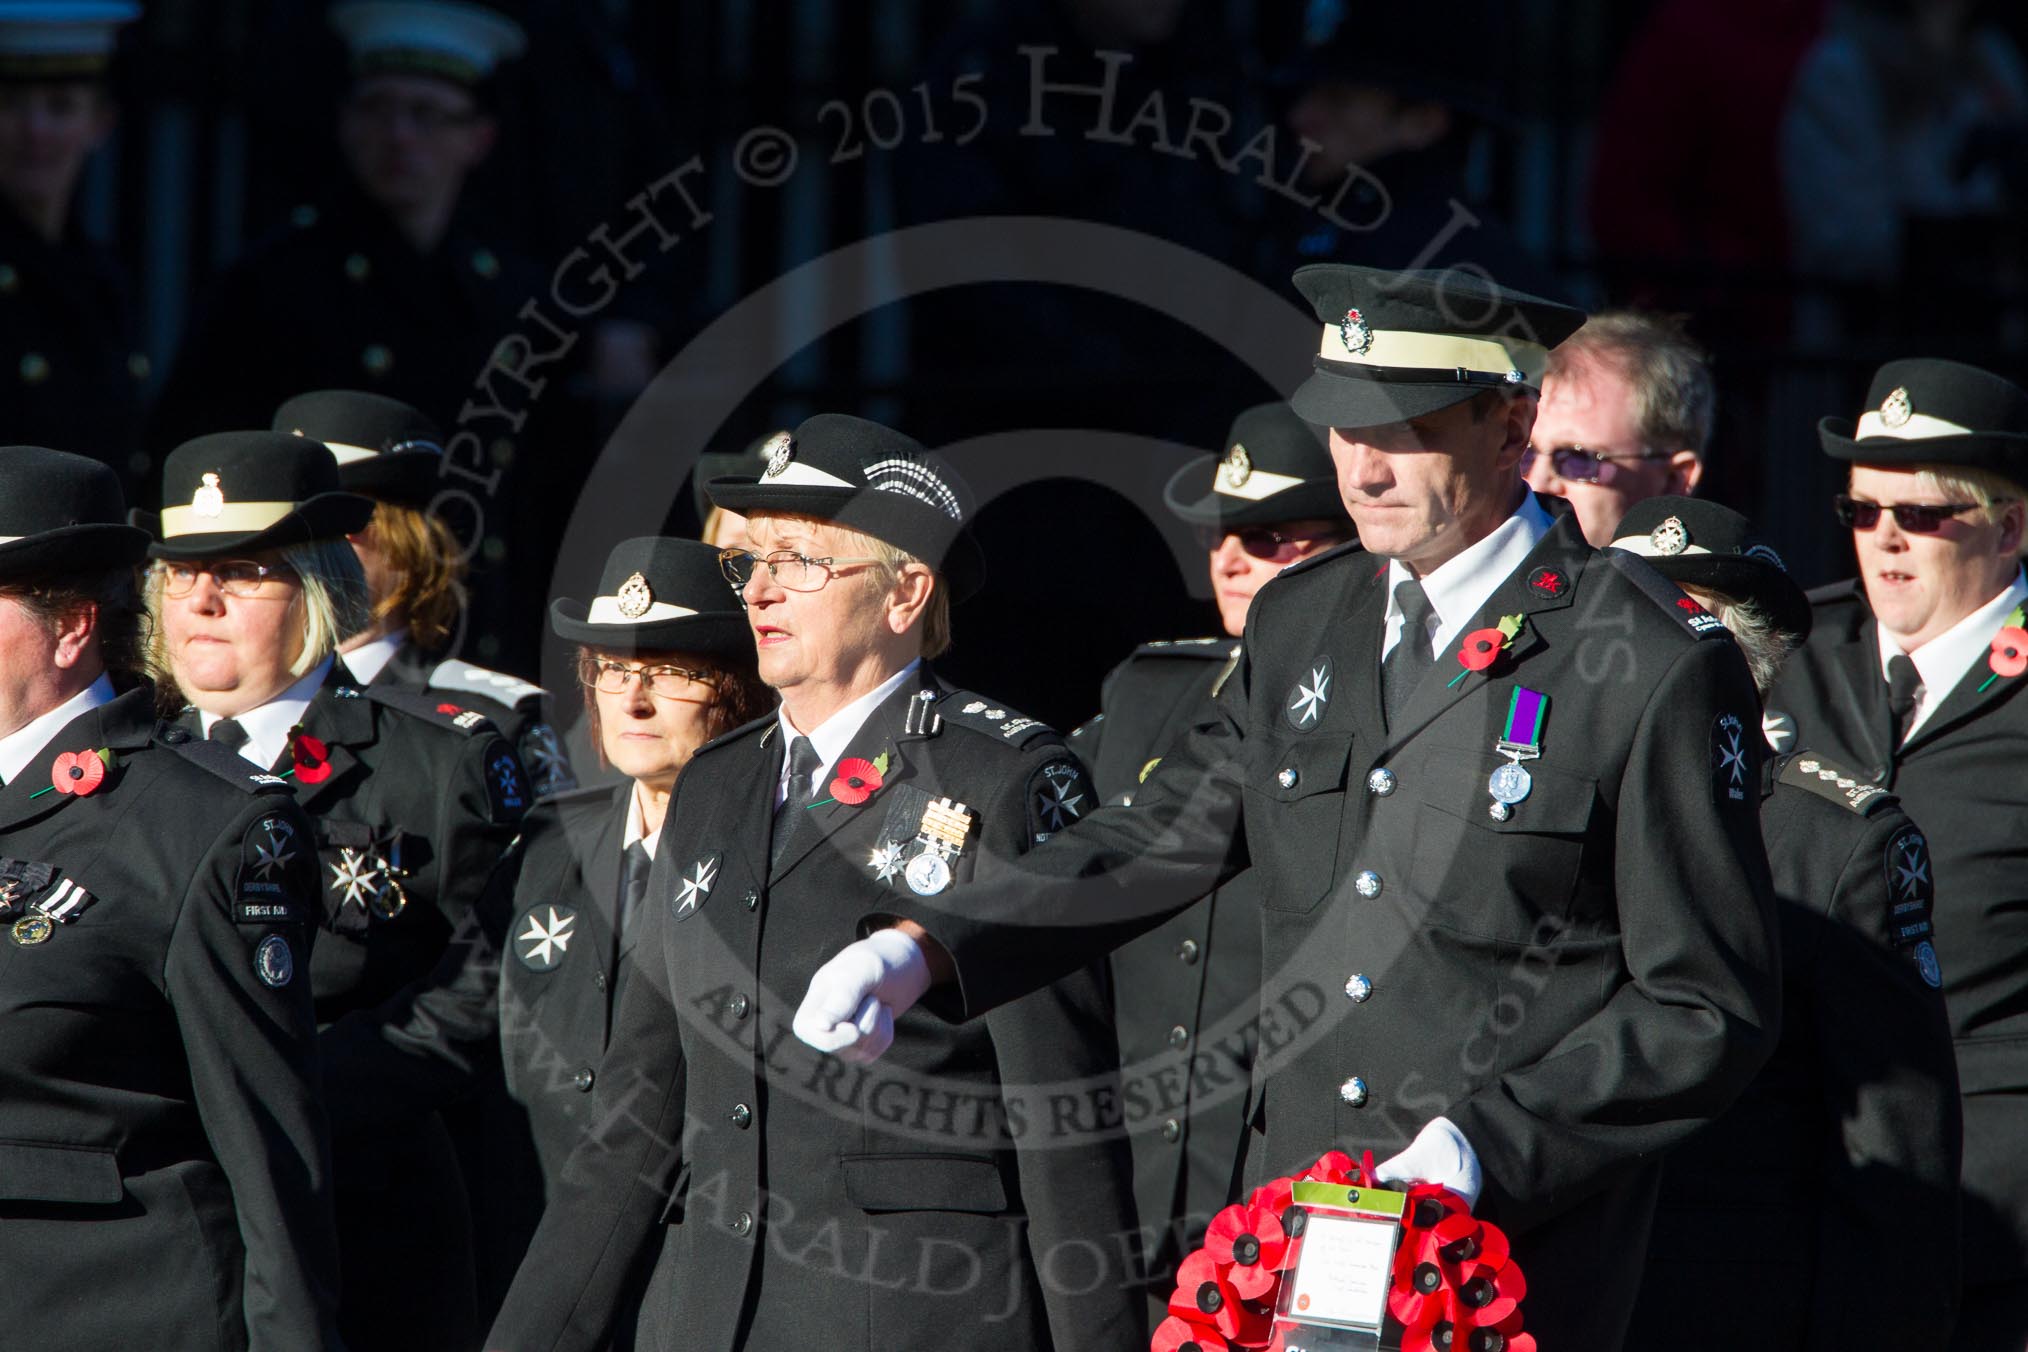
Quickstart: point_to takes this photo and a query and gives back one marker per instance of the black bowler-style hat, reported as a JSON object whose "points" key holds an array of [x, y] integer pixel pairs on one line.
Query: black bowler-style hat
{"points": [[61, 513], [1275, 467], [872, 479], [235, 492], [1926, 411], [657, 594], [1690, 540], [752, 459], [385, 449], [1398, 345]]}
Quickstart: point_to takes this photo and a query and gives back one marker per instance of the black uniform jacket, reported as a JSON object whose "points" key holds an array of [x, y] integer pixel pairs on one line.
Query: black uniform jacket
{"points": [[1821, 1210], [1961, 777], [164, 1168], [1186, 993], [518, 708], [971, 1190], [1576, 987]]}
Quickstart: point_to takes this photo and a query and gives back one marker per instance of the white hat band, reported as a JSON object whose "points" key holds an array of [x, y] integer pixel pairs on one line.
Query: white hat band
{"points": [[1644, 545], [1259, 484], [1437, 352], [231, 516], [606, 610], [1914, 427]]}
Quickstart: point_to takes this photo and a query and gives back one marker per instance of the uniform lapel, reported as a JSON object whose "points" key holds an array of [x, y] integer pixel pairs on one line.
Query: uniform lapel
{"points": [[1861, 692], [882, 731], [1365, 627], [341, 724], [1965, 701], [125, 724], [1528, 592]]}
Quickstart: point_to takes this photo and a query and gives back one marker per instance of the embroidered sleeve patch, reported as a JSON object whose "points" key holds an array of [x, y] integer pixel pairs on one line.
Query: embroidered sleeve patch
{"points": [[1059, 795], [506, 785], [261, 893], [1732, 778]]}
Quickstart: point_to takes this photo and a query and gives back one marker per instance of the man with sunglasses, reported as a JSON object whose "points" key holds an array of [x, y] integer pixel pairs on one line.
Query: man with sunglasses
{"points": [[1518, 931], [1183, 991], [1626, 414], [1914, 672]]}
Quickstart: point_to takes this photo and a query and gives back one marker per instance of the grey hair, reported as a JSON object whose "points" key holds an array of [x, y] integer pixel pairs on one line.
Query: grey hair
{"points": [[336, 603], [1675, 399], [1763, 643]]}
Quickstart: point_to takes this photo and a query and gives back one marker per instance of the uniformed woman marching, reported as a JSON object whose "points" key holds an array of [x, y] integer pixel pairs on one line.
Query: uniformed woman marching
{"points": [[164, 1172], [413, 802]]}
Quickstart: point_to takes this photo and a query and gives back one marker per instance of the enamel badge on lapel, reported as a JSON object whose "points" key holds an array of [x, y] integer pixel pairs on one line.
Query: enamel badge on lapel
{"points": [[1310, 697], [546, 938], [1521, 740], [695, 886], [941, 838]]}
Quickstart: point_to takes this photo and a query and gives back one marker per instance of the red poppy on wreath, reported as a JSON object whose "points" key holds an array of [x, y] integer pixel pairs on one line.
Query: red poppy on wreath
{"points": [[78, 772], [312, 757], [858, 779], [1203, 1295], [1252, 1246], [1177, 1334]]}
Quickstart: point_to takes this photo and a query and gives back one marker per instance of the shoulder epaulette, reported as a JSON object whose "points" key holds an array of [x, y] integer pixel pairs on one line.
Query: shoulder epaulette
{"points": [[1667, 596], [421, 704], [963, 708], [1333, 553], [1828, 779], [223, 761], [1833, 592], [1205, 649], [511, 691]]}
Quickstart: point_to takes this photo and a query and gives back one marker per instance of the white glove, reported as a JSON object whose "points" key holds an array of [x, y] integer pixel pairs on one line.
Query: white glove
{"points": [[1439, 1154], [855, 998]]}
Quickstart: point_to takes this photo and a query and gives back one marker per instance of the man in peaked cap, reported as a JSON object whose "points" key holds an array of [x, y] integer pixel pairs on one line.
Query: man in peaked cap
{"points": [[168, 1176], [1519, 937], [1184, 991], [809, 1203], [1914, 674], [385, 285], [393, 453], [1834, 1178], [70, 358]]}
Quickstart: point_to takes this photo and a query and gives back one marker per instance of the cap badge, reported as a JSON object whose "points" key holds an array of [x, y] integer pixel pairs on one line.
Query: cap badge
{"points": [[209, 499], [780, 449], [1766, 554], [1355, 333], [1238, 467], [635, 596], [1895, 409], [1670, 537]]}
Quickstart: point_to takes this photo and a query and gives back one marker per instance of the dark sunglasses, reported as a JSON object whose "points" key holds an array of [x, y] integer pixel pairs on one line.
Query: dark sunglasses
{"points": [[1264, 542], [1917, 518], [1581, 465]]}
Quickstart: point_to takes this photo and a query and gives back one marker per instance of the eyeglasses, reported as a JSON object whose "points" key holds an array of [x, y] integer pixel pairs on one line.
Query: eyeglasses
{"points": [[797, 572], [662, 682], [1917, 518], [235, 577], [1583, 466], [1265, 542]]}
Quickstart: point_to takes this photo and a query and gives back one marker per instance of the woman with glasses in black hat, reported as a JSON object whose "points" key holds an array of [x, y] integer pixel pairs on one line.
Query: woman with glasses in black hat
{"points": [[413, 801], [164, 1167]]}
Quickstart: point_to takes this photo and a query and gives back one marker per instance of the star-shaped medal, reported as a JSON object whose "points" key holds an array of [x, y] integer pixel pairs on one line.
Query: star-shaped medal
{"points": [[886, 860], [356, 876]]}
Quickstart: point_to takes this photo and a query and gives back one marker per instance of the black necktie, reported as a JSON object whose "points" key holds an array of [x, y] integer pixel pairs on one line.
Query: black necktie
{"points": [[634, 864], [1411, 657], [1903, 683], [803, 763], [227, 733]]}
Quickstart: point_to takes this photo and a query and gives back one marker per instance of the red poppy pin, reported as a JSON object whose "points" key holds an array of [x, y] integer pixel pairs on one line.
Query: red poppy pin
{"points": [[2010, 649], [1482, 647], [312, 757], [857, 779], [79, 772], [449, 709]]}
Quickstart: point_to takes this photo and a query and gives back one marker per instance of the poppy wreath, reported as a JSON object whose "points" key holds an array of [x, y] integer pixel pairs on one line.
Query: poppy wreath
{"points": [[1456, 1285]]}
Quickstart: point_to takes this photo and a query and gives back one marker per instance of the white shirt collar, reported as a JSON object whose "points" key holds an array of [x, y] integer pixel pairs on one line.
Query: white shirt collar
{"points": [[1943, 661], [1458, 588], [267, 727], [835, 733], [25, 743], [634, 831], [366, 661]]}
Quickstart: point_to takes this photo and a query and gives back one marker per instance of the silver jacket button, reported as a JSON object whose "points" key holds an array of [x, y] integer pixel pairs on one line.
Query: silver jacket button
{"points": [[1353, 1091], [1367, 883]]}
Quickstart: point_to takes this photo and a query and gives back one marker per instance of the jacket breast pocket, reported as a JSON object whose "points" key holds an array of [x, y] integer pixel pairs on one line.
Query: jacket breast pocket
{"points": [[31, 1171], [1295, 809], [924, 1182], [1501, 876]]}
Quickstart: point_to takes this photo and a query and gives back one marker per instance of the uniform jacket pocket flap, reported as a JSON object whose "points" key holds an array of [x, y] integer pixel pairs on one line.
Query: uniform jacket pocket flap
{"points": [[1293, 770], [924, 1183], [1558, 802], [34, 1172]]}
